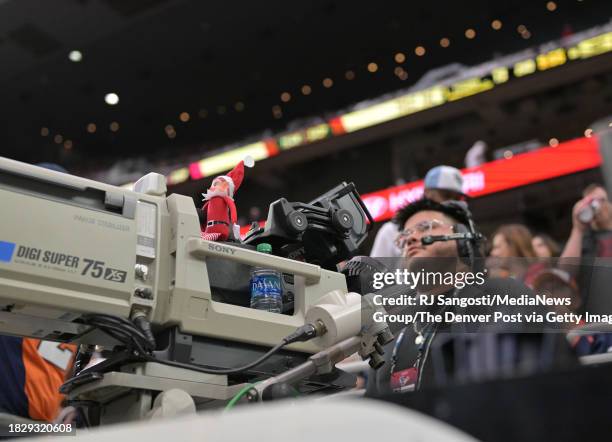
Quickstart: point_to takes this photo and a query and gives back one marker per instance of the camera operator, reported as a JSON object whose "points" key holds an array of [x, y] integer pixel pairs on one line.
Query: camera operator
{"points": [[434, 354]]}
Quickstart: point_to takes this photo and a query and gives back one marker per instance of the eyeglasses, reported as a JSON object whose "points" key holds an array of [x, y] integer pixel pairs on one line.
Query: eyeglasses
{"points": [[422, 227]]}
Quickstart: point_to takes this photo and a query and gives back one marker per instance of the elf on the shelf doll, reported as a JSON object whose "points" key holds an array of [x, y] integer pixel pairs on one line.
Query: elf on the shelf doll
{"points": [[219, 204]]}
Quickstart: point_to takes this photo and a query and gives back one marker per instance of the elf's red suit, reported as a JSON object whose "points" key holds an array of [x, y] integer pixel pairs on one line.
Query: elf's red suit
{"points": [[220, 207], [220, 216]]}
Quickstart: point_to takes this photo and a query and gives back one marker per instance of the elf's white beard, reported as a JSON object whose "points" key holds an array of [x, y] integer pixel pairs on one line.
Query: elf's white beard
{"points": [[211, 194]]}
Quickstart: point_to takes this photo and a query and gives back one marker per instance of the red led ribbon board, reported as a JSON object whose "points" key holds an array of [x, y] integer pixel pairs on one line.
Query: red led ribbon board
{"points": [[496, 176]]}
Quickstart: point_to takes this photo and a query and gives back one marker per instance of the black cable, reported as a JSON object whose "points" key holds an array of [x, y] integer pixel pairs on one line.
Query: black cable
{"points": [[122, 330], [120, 322], [127, 327], [220, 371], [110, 318], [121, 336], [127, 335], [145, 326], [301, 334], [126, 332]]}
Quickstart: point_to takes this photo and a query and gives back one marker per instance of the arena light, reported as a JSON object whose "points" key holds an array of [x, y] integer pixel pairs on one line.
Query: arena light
{"points": [[75, 56], [111, 99]]}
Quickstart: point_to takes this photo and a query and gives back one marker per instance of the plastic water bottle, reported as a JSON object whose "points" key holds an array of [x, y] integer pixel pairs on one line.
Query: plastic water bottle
{"points": [[266, 286]]}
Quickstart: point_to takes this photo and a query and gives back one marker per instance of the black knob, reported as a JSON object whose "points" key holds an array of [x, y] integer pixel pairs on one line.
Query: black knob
{"points": [[297, 222], [343, 220]]}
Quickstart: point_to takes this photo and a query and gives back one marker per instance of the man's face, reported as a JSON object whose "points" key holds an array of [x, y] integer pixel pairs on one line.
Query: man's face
{"points": [[425, 223]]}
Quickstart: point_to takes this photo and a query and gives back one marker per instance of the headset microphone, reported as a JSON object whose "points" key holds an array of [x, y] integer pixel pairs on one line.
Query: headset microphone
{"points": [[430, 239]]}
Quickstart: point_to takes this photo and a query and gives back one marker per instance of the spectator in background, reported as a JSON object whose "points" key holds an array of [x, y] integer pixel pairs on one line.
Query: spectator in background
{"points": [[591, 234], [512, 240], [513, 254], [559, 284], [476, 155], [590, 240], [442, 183], [545, 247]]}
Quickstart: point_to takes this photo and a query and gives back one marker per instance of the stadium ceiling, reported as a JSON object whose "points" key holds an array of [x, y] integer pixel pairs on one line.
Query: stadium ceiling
{"points": [[191, 75]]}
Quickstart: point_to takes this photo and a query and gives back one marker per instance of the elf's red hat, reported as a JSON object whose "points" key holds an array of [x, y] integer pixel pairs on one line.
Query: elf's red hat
{"points": [[236, 175]]}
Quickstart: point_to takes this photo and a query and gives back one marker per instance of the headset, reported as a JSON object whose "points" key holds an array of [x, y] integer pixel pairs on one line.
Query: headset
{"points": [[468, 239]]}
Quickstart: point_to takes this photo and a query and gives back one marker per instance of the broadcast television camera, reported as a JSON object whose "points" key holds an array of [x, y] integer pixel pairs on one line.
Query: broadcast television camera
{"points": [[96, 265]]}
